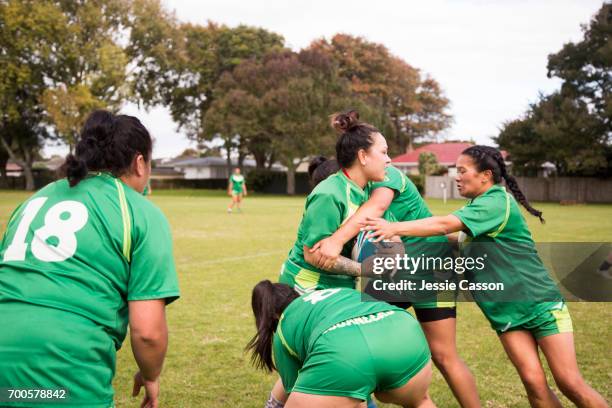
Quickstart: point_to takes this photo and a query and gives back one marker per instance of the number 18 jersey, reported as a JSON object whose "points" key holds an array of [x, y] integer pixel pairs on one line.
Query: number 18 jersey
{"points": [[88, 250]]}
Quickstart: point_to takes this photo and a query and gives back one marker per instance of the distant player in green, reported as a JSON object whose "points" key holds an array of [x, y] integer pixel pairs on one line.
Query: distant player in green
{"points": [[332, 349], [399, 196], [236, 188], [80, 259], [538, 316], [361, 152]]}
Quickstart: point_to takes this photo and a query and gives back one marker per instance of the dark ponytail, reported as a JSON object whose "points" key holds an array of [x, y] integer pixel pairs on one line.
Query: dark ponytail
{"points": [[108, 142], [321, 168], [354, 136], [268, 301], [489, 158]]}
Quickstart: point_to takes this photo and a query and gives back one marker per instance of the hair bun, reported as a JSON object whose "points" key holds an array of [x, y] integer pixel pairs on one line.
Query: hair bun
{"points": [[315, 163], [343, 122], [99, 128]]}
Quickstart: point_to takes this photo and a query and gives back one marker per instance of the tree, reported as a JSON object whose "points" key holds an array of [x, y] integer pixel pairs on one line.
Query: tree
{"points": [[91, 65], [428, 164], [572, 127], [415, 107], [560, 130], [180, 65], [231, 117], [278, 107], [29, 34], [60, 61], [586, 68]]}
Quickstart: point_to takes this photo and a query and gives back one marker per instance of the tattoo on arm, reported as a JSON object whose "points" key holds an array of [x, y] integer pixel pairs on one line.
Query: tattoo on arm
{"points": [[345, 266]]}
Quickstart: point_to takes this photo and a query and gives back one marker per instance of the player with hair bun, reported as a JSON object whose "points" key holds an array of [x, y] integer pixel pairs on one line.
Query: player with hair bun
{"points": [[361, 153]]}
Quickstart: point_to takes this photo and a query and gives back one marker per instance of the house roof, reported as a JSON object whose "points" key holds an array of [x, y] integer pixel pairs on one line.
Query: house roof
{"points": [[446, 153]]}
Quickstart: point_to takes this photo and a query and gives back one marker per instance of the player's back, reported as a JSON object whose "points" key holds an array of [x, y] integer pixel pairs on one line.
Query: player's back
{"points": [[68, 248]]}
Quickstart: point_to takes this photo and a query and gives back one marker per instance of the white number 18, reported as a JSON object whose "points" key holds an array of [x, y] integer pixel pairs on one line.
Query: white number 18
{"points": [[54, 226]]}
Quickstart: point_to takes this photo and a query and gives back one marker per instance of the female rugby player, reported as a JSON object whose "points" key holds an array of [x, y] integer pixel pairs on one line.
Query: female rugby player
{"points": [[236, 189], [332, 349], [492, 222], [80, 260]]}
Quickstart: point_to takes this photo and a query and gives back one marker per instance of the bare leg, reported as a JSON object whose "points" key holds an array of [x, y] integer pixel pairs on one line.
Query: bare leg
{"points": [[301, 400], [413, 394], [238, 201], [441, 338], [230, 207], [278, 391], [522, 350], [561, 357]]}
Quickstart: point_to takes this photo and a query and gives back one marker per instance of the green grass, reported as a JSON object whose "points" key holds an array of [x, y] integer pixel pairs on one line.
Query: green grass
{"points": [[220, 257]]}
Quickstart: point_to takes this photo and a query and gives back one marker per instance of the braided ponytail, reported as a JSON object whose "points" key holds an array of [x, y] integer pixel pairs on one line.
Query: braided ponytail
{"points": [[489, 158]]}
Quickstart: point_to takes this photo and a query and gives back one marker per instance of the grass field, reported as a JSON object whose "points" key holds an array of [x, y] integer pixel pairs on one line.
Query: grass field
{"points": [[219, 257]]}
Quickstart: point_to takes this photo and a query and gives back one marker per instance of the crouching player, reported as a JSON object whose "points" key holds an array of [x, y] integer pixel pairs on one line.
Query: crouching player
{"points": [[333, 349]]}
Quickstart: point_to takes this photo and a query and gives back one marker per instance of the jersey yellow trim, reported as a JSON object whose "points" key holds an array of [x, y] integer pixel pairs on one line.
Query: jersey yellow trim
{"points": [[351, 207], [503, 225], [282, 339], [403, 177], [307, 279], [125, 216]]}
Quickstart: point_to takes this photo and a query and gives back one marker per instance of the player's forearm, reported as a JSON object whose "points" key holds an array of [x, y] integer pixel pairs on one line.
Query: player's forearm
{"points": [[345, 266], [149, 352], [427, 227], [351, 227]]}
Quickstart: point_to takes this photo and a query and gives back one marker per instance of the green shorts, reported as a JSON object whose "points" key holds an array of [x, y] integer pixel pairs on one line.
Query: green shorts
{"points": [[49, 349], [237, 193], [304, 281], [353, 359], [553, 321]]}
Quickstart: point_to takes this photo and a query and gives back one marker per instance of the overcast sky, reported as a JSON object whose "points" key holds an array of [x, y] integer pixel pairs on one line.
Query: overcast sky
{"points": [[488, 55]]}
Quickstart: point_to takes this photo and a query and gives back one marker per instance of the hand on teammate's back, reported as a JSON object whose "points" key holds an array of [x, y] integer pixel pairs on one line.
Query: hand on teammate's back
{"points": [[150, 399]]}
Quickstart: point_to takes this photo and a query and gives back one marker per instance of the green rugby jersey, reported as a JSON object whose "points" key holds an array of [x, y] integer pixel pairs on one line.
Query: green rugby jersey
{"points": [[308, 316], [88, 250], [497, 230], [407, 204], [327, 207], [237, 183]]}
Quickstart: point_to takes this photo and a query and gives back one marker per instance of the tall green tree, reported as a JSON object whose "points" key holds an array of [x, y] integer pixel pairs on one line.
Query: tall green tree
{"points": [[29, 34], [179, 65], [586, 67], [415, 105], [572, 127], [560, 130], [278, 107], [92, 65]]}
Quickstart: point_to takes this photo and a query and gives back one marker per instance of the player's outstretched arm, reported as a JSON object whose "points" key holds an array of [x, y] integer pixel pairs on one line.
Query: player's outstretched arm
{"points": [[149, 338], [330, 247], [426, 227]]}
